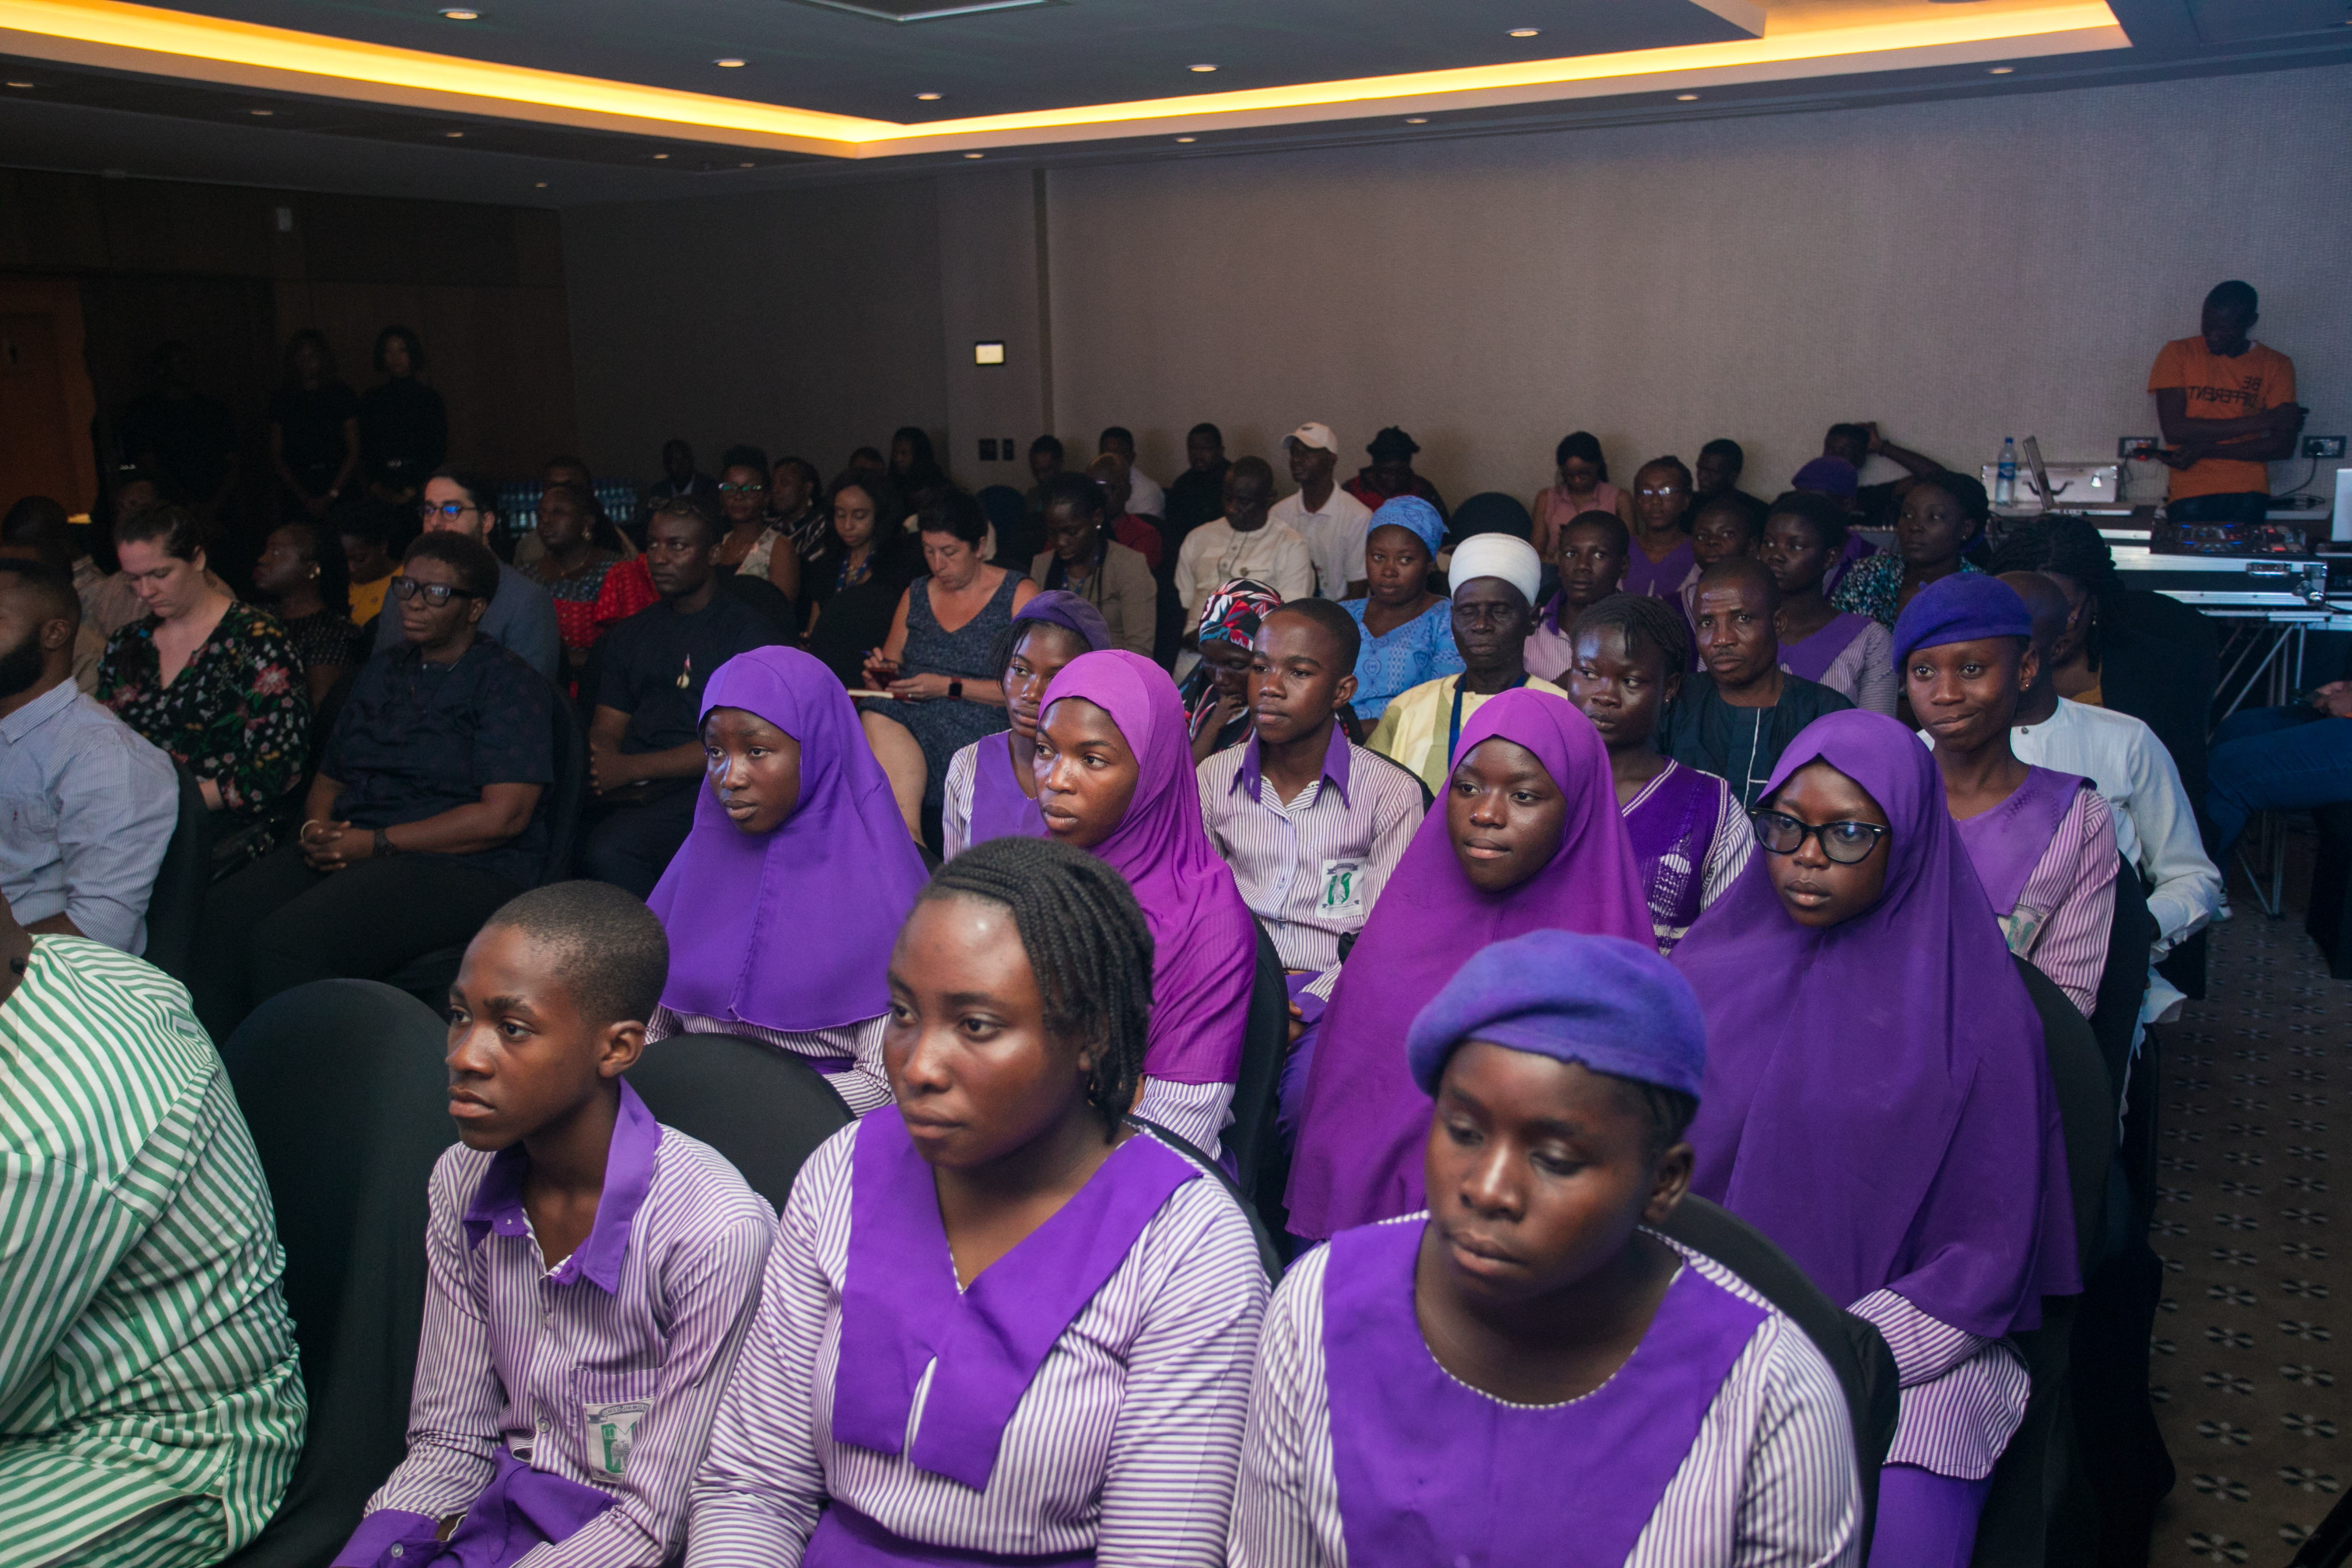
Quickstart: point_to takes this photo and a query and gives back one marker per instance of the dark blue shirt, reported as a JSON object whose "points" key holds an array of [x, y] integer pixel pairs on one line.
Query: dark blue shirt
{"points": [[657, 662], [417, 739]]}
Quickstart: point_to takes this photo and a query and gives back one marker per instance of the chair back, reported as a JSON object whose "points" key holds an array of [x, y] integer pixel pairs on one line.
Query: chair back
{"points": [[342, 1083], [768, 600], [1864, 1366], [765, 1110], [175, 906], [2123, 982], [2040, 1478], [1266, 1040], [567, 798], [1269, 1256]]}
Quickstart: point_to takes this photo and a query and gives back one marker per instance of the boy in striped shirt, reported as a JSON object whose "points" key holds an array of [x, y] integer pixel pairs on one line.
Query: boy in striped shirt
{"points": [[593, 1272]]}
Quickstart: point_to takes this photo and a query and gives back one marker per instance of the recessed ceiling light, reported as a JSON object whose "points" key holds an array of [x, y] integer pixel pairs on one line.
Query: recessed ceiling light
{"points": [[1525, 32], [1200, 67], [975, 154], [539, 186], [928, 97], [729, 64], [1418, 119], [261, 113], [1188, 139], [1685, 98], [459, 14], [2000, 71], [22, 86], [747, 165], [659, 156], [453, 135]]}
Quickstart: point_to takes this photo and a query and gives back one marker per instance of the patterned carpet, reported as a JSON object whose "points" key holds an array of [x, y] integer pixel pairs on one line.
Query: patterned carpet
{"points": [[2251, 1332]]}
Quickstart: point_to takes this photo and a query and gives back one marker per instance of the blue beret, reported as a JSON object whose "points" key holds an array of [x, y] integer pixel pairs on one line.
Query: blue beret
{"points": [[1961, 607], [1612, 1004]]}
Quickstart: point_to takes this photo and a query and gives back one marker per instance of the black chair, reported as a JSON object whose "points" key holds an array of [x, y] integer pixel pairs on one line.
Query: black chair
{"points": [[2040, 1510], [2122, 982], [1864, 1366], [764, 1110], [1262, 1165], [428, 977], [769, 601], [1269, 1256], [348, 1189], [175, 906], [2329, 917]]}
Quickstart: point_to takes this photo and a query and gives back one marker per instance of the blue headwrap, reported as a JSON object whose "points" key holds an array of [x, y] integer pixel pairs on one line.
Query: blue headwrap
{"points": [[1961, 608], [1415, 516], [1612, 1004]]}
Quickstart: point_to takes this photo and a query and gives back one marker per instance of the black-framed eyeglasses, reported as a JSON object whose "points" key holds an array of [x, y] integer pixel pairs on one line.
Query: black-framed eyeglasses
{"points": [[1845, 843], [436, 593], [452, 509]]}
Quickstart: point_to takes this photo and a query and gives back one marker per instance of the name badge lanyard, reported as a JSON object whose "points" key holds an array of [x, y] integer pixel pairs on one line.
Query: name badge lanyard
{"points": [[1454, 726]]}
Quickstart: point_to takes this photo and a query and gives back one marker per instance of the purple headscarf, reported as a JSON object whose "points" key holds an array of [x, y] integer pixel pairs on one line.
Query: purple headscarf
{"points": [[1877, 1101], [1203, 943], [1059, 607], [999, 807], [791, 930], [1363, 1121]]}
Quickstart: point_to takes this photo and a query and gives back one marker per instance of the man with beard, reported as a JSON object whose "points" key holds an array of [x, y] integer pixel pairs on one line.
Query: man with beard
{"points": [[87, 806]]}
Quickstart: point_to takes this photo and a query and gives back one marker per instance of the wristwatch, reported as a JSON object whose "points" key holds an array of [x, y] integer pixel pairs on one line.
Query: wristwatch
{"points": [[955, 691], [384, 847]]}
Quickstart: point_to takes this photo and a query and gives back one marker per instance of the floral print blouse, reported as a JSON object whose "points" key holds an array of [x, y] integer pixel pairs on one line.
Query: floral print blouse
{"points": [[237, 713], [1872, 585]]}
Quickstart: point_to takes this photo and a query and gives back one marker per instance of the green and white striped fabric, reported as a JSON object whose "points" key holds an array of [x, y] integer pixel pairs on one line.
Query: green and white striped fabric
{"points": [[150, 1405]]}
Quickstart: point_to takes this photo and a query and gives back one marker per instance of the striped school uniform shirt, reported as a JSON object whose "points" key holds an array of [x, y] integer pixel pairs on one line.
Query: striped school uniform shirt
{"points": [[603, 1370], [148, 1392], [2061, 922], [1963, 1394], [1311, 868], [1770, 1479], [1123, 1445], [849, 1055]]}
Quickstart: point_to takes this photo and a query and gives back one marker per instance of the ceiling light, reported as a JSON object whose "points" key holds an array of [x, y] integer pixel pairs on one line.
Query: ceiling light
{"points": [[263, 113], [22, 86], [659, 156], [747, 165], [1418, 119], [1200, 67], [1685, 98], [2000, 71], [1188, 139], [453, 135], [459, 14], [1525, 32], [729, 64], [539, 186], [975, 154], [928, 97]]}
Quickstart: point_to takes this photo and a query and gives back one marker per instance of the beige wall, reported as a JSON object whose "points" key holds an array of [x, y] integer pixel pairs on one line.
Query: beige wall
{"points": [[1956, 272]]}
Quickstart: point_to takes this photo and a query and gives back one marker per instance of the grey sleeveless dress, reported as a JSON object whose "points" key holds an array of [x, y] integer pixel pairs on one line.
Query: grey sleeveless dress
{"points": [[942, 726]]}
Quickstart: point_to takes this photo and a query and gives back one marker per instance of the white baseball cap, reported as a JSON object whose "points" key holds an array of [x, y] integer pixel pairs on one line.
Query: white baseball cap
{"points": [[1312, 434]]}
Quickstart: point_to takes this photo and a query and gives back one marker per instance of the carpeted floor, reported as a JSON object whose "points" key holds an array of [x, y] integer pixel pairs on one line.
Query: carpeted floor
{"points": [[2252, 1331]]}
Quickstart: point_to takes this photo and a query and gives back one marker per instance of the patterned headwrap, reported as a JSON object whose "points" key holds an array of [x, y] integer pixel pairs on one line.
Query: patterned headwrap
{"points": [[1231, 615]]}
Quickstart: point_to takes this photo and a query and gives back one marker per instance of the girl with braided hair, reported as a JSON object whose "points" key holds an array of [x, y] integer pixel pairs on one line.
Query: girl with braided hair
{"points": [[1000, 1323], [1114, 775]]}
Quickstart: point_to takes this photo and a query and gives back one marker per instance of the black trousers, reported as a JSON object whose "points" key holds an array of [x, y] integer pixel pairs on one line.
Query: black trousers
{"points": [[630, 846], [277, 924]]}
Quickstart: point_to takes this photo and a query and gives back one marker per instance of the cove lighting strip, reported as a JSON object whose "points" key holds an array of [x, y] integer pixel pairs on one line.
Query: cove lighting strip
{"points": [[153, 41]]}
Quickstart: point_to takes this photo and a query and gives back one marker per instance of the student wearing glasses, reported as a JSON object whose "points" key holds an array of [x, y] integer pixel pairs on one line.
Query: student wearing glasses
{"points": [[428, 811], [521, 614], [1876, 1099]]}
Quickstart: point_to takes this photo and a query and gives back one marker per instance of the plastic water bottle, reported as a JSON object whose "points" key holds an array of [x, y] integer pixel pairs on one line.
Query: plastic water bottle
{"points": [[2004, 474]]}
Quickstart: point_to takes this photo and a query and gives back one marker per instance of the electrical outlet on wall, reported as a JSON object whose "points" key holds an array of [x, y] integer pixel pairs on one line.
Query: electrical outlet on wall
{"points": [[987, 449], [2323, 447]]}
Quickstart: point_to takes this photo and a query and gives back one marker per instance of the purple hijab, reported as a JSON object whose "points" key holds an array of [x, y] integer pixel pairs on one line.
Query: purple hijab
{"points": [[1203, 940], [1877, 1101], [1363, 1121], [999, 807], [791, 931]]}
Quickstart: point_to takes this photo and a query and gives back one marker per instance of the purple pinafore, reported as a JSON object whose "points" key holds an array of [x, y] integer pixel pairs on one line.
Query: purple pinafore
{"points": [[1671, 827], [900, 1310], [1431, 1471], [999, 809]]}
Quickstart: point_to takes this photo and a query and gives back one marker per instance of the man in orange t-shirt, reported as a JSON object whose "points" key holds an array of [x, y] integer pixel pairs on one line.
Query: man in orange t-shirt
{"points": [[2228, 409]]}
